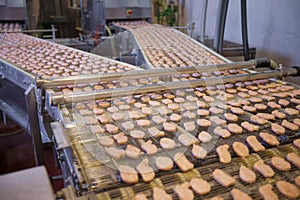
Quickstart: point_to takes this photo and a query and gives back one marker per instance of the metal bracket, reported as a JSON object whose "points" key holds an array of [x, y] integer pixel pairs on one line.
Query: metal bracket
{"points": [[59, 135], [117, 92]]}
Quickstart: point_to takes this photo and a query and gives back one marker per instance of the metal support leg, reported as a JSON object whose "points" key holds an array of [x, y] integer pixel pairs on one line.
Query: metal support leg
{"points": [[220, 25], [34, 127], [53, 33]]}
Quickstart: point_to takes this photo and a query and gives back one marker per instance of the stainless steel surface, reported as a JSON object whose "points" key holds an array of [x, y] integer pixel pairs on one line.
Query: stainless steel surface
{"points": [[14, 83], [13, 10], [121, 13], [121, 46], [96, 14], [13, 109], [118, 9], [59, 98], [34, 125], [73, 43], [128, 3], [27, 184], [61, 140], [12, 14], [2, 2], [16, 3], [68, 165], [16, 74]]}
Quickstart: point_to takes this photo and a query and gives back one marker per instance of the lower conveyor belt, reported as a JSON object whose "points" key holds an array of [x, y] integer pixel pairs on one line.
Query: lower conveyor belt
{"points": [[169, 181], [92, 127]]}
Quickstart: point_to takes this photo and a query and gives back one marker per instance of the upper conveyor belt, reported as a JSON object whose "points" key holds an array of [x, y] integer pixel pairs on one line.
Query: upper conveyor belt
{"points": [[165, 47], [50, 60]]}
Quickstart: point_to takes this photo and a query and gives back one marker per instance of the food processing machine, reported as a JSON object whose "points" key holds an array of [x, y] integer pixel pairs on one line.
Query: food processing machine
{"points": [[96, 16], [20, 99], [90, 102], [13, 11]]}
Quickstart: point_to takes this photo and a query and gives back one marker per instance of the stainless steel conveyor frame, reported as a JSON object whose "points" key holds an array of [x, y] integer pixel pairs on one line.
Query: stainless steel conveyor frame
{"points": [[23, 101]]}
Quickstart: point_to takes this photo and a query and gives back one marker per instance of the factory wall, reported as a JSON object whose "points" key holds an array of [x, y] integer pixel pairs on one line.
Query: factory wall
{"points": [[273, 26]]}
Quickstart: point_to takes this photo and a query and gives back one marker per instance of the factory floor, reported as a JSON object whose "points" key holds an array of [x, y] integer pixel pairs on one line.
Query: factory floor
{"points": [[16, 153]]}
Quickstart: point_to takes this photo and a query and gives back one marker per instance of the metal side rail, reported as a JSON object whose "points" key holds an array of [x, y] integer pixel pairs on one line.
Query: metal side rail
{"points": [[60, 98], [252, 64]]}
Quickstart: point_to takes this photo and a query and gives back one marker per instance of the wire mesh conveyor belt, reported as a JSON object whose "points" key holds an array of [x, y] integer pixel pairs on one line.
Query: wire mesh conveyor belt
{"points": [[94, 128], [66, 69], [49, 60], [165, 47], [170, 181]]}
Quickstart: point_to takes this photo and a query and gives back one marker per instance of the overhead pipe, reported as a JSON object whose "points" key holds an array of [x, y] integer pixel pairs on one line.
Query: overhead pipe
{"points": [[245, 29], [220, 25]]}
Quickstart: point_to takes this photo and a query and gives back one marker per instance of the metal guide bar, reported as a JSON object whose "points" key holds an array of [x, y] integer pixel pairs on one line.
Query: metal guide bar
{"points": [[30, 31], [261, 62], [144, 73], [60, 98]]}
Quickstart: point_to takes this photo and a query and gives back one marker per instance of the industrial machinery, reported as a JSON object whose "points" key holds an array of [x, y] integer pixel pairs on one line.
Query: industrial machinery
{"points": [[153, 46], [93, 19], [122, 132], [13, 14], [93, 169], [97, 15], [20, 99]]}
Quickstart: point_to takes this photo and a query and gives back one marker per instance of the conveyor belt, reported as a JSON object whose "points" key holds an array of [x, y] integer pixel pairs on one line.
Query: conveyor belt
{"points": [[168, 182], [168, 48], [46, 60], [87, 122], [95, 165], [50, 60]]}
